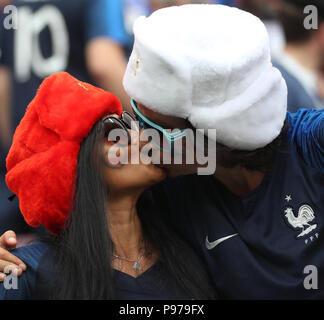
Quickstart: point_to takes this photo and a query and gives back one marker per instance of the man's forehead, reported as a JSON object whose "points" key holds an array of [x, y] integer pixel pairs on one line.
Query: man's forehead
{"points": [[168, 122]]}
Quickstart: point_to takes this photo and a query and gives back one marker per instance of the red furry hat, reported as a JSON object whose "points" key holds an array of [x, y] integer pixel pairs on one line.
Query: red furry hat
{"points": [[42, 161]]}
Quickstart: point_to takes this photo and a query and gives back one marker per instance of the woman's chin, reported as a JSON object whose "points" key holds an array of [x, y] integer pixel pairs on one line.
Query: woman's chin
{"points": [[157, 174]]}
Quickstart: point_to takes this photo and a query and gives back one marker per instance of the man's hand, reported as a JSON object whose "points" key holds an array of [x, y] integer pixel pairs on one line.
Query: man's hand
{"points": [[8, 241]]}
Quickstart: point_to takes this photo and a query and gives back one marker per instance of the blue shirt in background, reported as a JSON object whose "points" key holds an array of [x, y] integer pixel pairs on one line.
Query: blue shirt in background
{"points": [[56, 43], [231, 3], [298, 97], [51, 36]]}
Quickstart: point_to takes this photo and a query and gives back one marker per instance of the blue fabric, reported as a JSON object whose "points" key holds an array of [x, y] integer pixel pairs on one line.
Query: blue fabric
{"points": [[278, 228], [297, 96], [307, 135], [131, 9], [231, 3], [83, 20], [150, 285], [10, 217], [31, 255], [105, 18]]}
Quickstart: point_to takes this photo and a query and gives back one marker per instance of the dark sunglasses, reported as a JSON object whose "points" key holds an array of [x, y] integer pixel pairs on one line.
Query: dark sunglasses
{"points": [[124, 123]]}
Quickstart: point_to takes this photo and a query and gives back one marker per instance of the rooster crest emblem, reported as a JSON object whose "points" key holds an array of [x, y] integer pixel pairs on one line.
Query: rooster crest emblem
{"points": [[303, 219]]}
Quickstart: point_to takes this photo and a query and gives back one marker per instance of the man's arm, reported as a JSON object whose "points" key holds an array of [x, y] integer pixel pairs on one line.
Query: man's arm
{"points": [[106, 64], [8, 241], [106, 37], [306, 128]]}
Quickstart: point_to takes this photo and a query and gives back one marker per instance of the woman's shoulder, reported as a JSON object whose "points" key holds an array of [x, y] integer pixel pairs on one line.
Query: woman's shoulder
{"points": [[32, 253], [23, 287]]}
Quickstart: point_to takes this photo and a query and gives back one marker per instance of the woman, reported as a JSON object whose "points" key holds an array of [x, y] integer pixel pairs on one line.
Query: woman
{"points": [[110, 240]]}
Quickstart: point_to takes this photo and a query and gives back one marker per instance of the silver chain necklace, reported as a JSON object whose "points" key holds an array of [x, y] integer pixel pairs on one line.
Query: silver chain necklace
{"points": [[136, 265]]}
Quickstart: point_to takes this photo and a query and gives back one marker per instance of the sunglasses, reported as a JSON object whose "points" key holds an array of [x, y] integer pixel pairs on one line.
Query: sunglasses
{"points": [[166, 139], [123, 124]]}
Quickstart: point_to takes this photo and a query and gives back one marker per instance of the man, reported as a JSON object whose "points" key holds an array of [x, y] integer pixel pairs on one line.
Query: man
{"points": [[257, 222], [302, 59]]}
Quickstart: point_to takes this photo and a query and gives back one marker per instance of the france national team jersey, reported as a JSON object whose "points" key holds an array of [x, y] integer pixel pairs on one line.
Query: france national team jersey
{"points": [[51, 37], [269, 243]]}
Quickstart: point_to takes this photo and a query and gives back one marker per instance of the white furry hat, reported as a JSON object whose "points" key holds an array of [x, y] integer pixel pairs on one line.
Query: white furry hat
{"points": [[209, 64]]}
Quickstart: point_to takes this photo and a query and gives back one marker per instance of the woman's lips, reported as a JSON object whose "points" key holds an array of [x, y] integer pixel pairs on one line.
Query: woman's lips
{"points": [[163, 168]]}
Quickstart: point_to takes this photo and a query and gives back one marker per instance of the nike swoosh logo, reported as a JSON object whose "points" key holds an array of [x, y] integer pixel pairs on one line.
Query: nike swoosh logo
{"points": [[212, 245]]}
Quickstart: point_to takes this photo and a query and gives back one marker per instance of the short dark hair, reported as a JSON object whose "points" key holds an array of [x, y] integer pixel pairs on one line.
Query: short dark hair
{"points": [[291, 15], [257, 160], [260, 159]]}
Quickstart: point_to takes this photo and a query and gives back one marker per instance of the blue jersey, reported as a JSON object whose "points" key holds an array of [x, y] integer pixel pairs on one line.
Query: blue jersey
{"points": [[51, 37], [269, 243], [35, 282]]}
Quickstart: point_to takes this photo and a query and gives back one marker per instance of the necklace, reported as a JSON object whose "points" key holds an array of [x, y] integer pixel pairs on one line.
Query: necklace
{"points": [[136, 265]]}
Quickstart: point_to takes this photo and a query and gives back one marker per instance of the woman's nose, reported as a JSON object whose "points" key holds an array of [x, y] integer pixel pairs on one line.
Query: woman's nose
{"points": [[134, 136], [138, 138]]}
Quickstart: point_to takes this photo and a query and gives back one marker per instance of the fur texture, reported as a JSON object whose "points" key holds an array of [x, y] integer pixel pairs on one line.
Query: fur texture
{"points": [[42, 161], [209, 64]]}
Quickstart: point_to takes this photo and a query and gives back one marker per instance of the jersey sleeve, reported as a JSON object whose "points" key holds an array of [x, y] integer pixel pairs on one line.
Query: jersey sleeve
{"points": [[306, 130], [105, 18], [23, 287]]}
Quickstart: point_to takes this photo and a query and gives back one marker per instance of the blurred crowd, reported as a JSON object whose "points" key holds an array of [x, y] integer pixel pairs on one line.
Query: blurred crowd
{"points": [[92, 39]]}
